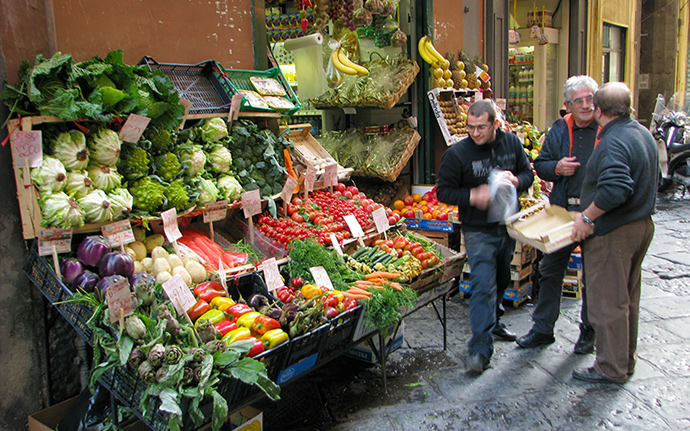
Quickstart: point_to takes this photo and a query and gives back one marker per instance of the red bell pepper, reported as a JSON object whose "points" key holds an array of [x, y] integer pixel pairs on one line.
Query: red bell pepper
{"points": [[209, 290], [225, 326], [257, 349], [238, 310], [349, 303], [262, 324], [285, 295], [198, 309]]}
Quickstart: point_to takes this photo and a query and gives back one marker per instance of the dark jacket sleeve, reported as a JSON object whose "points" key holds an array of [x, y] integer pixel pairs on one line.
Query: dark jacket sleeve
{"points": [[550, 154], [615, 183], [451, 189]]}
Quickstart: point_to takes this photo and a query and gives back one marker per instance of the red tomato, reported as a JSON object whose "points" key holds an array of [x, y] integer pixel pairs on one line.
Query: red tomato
{"points": [[425, 263], [296, 200], [353, 189], [392, 220], [340, 187], [297, 217], [389, 212], [347, 194], [291, 209]]}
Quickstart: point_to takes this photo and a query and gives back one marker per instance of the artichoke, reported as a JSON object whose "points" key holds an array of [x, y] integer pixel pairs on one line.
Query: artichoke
{"points": [[142, 284], [160, 373], [207, 332], [187, 376], [214, 346], [156, 355], [147, 372], [136, 357], [197, 354], [173, 355], [135, 327]]}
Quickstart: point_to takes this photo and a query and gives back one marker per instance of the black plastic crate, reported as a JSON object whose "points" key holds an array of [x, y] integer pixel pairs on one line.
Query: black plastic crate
{"points": [[247, 284], [341, 331], [307, 344], [198, 83], [44, 278]]}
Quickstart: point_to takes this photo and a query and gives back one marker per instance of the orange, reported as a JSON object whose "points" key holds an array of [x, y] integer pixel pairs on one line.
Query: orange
{"points": [[428, 216], [398, 205], [397, 211], [423, 202], [417, 197]]}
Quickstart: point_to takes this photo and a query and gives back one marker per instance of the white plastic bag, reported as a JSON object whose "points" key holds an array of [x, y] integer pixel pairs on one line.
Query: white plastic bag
{"points": [[504, 201]]}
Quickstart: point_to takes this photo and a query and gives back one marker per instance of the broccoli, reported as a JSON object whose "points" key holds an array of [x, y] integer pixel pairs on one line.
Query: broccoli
{"points": [[133, 163], [167, 166], [177, 196], [148, 194]]}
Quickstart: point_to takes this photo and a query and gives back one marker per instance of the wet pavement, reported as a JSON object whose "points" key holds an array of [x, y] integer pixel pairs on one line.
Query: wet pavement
{"points": [[429, 388]]}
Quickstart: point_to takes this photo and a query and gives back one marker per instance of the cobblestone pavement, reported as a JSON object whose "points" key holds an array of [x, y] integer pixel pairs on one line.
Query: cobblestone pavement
{"points": [[429, 388]]}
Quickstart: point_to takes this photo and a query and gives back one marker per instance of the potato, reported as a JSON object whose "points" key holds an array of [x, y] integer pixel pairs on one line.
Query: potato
{"points": [[139, 234], [139, 267], [131, 252], [160, 265], [174, 261], [153, 241], [182, 272], [196, 271], [159, 252], [139, 248]]}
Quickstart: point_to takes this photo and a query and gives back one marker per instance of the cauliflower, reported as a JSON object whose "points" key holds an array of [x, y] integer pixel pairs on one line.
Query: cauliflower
{"points": [[167, 166], [213, 129], [203, 191], [220, 159], [148, 194], [193, 159], [229, 188], [133, 163], [177, 196]]}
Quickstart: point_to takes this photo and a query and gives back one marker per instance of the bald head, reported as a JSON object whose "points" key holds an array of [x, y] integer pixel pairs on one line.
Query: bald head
{"points": [[613, 99]]}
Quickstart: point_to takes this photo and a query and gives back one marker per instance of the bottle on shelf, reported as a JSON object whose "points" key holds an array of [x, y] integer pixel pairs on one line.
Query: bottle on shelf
{"points": [[512, 95], [530, 94]]}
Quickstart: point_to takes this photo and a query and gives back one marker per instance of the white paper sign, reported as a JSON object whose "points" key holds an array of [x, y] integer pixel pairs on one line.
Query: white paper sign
{"points": [[119, 297], [380, 220], [336, 244], [310, 179], [60, 238], [118, 233], [235, 105], [251, 203], [288, 189], [133, 128], [179, 294], [27, 146], [272, 274], [215, 211], [355, 227], [170, 227], [330, 177], [321, 277]]}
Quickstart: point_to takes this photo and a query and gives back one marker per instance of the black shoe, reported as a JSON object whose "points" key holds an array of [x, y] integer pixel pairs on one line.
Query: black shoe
{"points": [[585, 344], [501, 332], [477, 363], [534, 339], [591, 375]]}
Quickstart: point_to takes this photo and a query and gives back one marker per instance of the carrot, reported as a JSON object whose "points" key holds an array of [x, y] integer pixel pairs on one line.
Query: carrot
{"points": [[375, 286], [382, 274], [357, 290], [364, 282], [396, 286], [354, 296]]}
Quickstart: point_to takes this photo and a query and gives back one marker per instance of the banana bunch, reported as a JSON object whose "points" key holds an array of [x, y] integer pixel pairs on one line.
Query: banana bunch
{"points": [[439, 65], [344, 65]]}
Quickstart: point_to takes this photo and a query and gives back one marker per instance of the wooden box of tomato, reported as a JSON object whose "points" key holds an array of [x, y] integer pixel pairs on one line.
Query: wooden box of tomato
{"points": [[450, 267]]}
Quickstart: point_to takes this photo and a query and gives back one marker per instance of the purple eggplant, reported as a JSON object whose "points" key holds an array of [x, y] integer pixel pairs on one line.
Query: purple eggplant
{"points": [[116, 263], [85, 282], [102, 285], [70, 269], [92, 249], [256, 301]]}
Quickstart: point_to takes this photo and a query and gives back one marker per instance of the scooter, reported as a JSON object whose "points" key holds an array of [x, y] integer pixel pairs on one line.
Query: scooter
{"points": [[668, 128]]}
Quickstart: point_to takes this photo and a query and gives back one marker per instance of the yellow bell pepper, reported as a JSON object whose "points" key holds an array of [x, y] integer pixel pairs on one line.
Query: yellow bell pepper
{"points": [[222, 303], [214, 316], [310, 290], [274, 338], [247, 320], [241, 333]]}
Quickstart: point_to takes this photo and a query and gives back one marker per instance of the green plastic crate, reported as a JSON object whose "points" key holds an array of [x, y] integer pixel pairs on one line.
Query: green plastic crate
{"points": [[239, 80]]}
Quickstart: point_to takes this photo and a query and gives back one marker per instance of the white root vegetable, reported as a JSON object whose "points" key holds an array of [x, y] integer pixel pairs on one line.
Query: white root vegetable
{"points": [[153, 241], [159, 252], [131, 252], [163, 277], [174, 261], [139, 248], [147, 262], [160, 265], [182, 272], [196, 271], [139, 267]]}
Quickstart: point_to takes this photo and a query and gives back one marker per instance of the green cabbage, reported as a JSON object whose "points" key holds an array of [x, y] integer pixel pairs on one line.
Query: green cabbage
{"points": [[229, 188], [62, 211], [70, 149], [78, 184], [105, 178], [219, 159], [51, 176], [214, 129], [121, 202], [193, 159], [97, 207], [204, 191], [104, 147]]}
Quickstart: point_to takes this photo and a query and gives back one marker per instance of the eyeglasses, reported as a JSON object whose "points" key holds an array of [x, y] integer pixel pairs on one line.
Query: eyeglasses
{"points": [[581, 100], [481, 127]]}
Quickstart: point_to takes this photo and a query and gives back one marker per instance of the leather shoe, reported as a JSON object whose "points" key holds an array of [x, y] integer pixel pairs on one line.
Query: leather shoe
{"points": [[585, 344], [477, 363], [591, 375], [501, 332], [534, 339]]}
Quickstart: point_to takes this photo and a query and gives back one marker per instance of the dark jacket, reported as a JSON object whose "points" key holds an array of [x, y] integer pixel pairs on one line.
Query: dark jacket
{"points": [[621, 176], [467, 165]]}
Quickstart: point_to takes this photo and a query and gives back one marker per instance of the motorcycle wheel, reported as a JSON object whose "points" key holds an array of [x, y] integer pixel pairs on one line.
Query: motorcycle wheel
{"points": [[663, 184]]}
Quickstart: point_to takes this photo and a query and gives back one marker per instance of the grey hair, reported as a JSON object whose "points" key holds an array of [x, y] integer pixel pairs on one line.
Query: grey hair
{"points": [[578, 82]]}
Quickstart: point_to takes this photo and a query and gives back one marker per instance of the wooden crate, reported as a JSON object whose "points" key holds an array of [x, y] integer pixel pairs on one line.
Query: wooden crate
{"points": [[573, 284]]}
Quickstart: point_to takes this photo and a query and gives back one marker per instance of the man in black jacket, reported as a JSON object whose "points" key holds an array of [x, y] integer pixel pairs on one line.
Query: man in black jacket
{"points": [[463, 181], [618, 197], [562, 160]]}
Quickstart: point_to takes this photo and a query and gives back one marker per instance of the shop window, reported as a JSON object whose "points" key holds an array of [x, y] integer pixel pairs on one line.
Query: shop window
{"points": [[613, 65]]}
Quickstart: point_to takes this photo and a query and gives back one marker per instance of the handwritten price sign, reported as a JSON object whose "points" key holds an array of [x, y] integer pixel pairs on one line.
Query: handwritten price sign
{"points": [[133, 128], [321, 277], [355, 227], [271, 274], [179, 294], [310, 179], [331, 175], [119, 297], [27, 146], [380, 220], [251, 203], [215, 211], [60, 238], [170, 227], [288, 189], [118, 233]]}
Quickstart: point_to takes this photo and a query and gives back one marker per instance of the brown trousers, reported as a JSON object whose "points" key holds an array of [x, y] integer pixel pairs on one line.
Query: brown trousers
{"points": [[613, 280]]}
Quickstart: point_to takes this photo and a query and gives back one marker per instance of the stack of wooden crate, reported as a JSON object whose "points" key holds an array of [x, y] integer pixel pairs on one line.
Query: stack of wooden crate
{"points": [[573, 282]]}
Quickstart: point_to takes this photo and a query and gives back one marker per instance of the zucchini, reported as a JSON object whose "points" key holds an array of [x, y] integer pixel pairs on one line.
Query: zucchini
{"points": [[360, 251]]}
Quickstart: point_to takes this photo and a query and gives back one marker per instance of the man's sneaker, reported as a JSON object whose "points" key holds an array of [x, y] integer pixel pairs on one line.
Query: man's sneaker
{"points": [[534, 339], [501, 332], [585, 344], [477, 363]]}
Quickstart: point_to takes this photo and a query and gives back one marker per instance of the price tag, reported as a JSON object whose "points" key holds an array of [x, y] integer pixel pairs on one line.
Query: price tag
{"points": [[251, 203], [288, 189], [179, 294], [535, 31], [119, 297], [310, 179], [60, 238], [215, 211], [133, 128], [355, 227], [380, 220], [118, 233], [223, 275], [272, 274], [187, 105], [336, 244], [482, 74], [27, 146], [170, 228], [330, 177], [235, 105], [321, 277]]}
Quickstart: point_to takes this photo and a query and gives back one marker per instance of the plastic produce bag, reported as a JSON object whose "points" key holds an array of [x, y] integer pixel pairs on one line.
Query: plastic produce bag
{"points": [[504, 200], [333, 76], [89, 413]]}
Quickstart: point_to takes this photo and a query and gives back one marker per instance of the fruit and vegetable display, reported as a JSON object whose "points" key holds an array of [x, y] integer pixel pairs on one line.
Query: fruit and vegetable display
{"points": [[426, 206]]}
